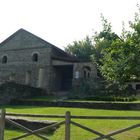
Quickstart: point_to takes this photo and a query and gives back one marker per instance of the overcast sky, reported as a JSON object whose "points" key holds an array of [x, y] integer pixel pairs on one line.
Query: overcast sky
{"points": [[60, 22]]}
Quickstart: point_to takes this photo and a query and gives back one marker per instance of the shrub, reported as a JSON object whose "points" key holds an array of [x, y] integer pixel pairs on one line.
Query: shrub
{"points": [[102, 91], [88, 88]]}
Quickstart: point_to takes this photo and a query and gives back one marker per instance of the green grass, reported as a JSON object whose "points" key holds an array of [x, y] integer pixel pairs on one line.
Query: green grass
{"points": [[104, 126], [74, 111]]}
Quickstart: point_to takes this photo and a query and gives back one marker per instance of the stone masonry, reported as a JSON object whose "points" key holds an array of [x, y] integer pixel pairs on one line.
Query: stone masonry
{"points": [[28, 59]]}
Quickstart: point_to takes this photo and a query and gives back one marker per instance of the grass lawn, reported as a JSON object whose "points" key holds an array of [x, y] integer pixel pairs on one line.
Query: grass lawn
{"points": [[104, 126]]}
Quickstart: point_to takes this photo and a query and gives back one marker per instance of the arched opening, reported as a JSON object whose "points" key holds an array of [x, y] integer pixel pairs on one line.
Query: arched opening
{"points": [[86, 72], [4, 59], [35, 57]]}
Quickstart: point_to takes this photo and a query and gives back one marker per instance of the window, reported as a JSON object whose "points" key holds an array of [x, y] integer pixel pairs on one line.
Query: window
{"points": [[12, 77], [88, 75], [4, 59], [35, 57], [86, 72]]}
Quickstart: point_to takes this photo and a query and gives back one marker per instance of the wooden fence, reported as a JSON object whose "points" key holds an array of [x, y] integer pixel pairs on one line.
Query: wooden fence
{"points": [[67, 122], [2, 123]]}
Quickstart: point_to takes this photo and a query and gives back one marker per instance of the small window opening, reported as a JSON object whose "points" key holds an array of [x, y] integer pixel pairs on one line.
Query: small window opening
{"points": [[88, 75], [35, 57], [85, 74], [4, 59], [87, 71]]}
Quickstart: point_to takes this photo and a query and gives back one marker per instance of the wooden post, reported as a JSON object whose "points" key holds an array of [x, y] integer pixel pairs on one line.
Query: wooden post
{"points": [[2, 124], [67, 126]]}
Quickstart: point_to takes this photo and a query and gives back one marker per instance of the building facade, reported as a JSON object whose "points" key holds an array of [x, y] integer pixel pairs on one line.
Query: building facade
{"points": [[27, 59]]}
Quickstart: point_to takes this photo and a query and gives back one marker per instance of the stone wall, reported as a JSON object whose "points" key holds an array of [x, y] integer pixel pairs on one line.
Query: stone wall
{"points": [[92, 105], [23, 70], [83, 71]]}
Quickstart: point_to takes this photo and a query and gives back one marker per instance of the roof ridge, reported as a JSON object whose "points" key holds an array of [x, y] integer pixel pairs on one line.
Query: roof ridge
{"points": [[62, 52]]}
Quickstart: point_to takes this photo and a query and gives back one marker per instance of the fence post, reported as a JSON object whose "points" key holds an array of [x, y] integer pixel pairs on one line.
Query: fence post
{"points": [[2, 124], [67, 126]]}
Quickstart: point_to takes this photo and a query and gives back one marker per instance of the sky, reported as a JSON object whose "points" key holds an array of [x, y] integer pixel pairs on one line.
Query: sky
{"points": [[60, 22]]}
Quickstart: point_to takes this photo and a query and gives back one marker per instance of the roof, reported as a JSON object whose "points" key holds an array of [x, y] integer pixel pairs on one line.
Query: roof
{"points": [[24, 36]]}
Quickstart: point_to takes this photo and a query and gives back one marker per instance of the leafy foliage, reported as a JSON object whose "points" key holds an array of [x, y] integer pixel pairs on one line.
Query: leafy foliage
{"points": [[103, 39], [82, 49], [117, 57], [121, 60]]}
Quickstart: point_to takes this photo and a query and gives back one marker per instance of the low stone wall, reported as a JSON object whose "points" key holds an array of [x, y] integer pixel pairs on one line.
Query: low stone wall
{"points": [[94, 105], [10, 90]]}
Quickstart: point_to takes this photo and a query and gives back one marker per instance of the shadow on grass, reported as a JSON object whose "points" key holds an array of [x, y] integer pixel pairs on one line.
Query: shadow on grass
{"points": [[13, 128], [30, 107]]}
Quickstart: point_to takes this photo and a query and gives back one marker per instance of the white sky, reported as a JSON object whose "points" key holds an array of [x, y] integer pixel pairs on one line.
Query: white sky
{"points": [[60, 22]]}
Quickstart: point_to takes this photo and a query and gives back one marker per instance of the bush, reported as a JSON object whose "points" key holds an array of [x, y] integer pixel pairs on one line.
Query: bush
{"points": [[88, 88], [112, 98], [120, 89], [106, 98], [98, 90]]}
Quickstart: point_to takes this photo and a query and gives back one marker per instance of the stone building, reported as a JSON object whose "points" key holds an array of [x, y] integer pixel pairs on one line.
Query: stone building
{"points": [[27, 59]]}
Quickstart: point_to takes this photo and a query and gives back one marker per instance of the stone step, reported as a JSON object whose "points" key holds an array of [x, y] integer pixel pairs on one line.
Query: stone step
{"points": [[31, 124]]}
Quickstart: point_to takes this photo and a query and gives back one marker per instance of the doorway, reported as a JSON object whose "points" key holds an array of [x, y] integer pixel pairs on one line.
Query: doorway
{"points": [[63, 78]]}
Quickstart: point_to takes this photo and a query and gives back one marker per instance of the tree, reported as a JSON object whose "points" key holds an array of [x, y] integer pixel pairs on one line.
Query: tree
{"points": [[121, 60], [103, 39], [82, 49], [102, 42]]}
